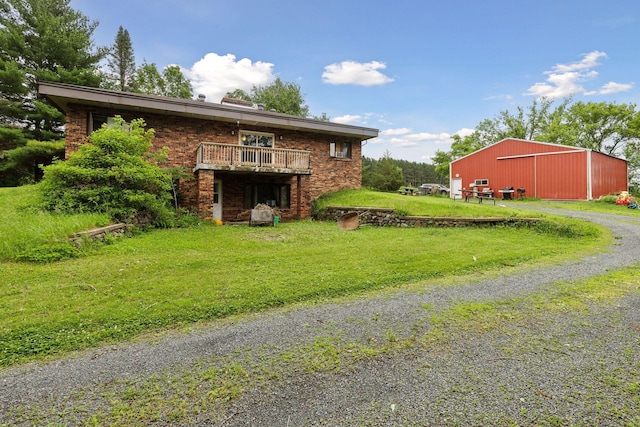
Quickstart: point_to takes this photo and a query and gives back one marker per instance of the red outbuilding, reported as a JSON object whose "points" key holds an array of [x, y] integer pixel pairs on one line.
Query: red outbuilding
{"points": [[539, 169]]}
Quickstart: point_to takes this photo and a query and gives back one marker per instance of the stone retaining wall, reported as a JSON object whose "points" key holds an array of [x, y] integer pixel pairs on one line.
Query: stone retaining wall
{"points": [[387, 217], [116, 230]]}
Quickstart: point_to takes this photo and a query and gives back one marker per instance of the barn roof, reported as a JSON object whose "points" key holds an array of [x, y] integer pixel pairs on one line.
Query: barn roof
{"points": [[561, 148]]}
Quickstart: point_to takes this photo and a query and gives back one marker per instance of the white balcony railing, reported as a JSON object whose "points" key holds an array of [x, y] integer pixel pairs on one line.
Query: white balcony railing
{"points": [[228, 156]]}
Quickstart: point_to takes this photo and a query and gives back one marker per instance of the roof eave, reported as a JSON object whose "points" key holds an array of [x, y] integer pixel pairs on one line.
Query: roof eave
{"points": [[61, 95]]}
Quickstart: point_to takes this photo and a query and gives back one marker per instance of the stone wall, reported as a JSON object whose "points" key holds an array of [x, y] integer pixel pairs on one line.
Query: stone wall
{"points": [[387, 217], [115, 230]]}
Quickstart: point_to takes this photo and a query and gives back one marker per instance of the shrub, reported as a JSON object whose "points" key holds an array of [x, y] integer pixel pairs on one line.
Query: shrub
{"points": [[610, 199], [49, 253], [115, 174]]}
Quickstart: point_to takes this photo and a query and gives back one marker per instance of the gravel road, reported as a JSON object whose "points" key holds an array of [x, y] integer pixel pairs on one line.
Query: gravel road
{"points": [[563, 368]]}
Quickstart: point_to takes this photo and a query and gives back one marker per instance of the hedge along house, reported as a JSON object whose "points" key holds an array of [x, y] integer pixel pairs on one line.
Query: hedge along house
{"points": [[543, 170], [240, 155]]}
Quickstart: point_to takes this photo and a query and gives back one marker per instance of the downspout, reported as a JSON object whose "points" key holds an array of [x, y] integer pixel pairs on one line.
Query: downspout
{"points": [[535, 176], [589, 177], [450, 181], [299, 196]]}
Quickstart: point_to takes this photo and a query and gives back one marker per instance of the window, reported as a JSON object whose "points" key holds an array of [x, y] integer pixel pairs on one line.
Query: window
{"points": [[480, 182], [97, 120], [274, 195], [256, 139], [340, 150]]}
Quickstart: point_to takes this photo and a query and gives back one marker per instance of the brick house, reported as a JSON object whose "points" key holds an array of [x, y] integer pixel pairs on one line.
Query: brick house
{"points": [[240, 155]]}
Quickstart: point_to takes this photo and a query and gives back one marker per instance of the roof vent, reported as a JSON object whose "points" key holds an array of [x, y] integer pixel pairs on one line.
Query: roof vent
{"points": [[202, 97]]}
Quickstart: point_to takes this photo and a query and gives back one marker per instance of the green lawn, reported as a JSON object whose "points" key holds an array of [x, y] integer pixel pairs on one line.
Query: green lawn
{"points": [[175, 277], [594, 206], [420, 205], [23, 228]]}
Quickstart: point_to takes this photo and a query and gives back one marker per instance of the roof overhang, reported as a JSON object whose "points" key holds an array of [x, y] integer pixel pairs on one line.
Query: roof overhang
{"points": [[61, 95]]}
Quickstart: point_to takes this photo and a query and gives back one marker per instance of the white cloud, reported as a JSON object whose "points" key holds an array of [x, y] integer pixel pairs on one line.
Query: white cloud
{"points": [[215, 75], [404, 143], [429, 137], [347, 119], [465, 132], [566, 79], [405, 137], [612, 87], [356, 73], [498, 97], [588, 61], [394, 132]]}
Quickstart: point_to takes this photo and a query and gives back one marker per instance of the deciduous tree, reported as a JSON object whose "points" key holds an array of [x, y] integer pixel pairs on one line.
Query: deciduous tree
{"points": [[171, 82], [175, 83], [606, 127], [283, 97]]}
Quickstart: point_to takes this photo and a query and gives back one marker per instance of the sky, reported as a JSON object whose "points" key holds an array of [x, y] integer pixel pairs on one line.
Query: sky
{"points": [[419, 71]]}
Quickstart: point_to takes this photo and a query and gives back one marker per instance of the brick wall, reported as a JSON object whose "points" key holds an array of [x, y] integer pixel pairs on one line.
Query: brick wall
{"points": [[182, 135], [205, 180]]}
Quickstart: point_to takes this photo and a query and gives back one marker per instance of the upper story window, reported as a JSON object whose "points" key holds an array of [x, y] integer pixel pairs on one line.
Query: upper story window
{"points": [[256, 139], [97, 120], [341, 150]]}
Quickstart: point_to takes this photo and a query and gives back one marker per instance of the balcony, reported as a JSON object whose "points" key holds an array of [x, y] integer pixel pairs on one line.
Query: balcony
{"points": [[240, 158]]}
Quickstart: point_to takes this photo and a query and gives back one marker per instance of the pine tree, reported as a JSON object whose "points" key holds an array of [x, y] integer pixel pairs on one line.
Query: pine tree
{"points": [[122, 62], [42, 40]]}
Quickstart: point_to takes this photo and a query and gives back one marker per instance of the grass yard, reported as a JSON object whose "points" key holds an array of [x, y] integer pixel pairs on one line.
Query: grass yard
{"points": [[23, 228], [594, 206], [168, 278], [422, 205]]}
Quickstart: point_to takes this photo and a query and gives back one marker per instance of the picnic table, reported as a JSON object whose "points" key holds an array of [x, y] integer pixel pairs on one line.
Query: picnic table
{"points": [[486, 194]]}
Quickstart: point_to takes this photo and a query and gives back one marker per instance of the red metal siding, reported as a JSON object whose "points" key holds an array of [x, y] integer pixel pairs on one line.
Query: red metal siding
{"points": [[547, 171], [481, 166], [516, 147], [517, 173], [562, 176], [493, 163], [608, 175]]}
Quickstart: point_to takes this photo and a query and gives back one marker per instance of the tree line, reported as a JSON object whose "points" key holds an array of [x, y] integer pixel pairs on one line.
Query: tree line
{"points": [[387, 174]]}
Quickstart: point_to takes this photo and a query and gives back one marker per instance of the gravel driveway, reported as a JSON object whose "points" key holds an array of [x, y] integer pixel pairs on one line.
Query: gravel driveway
{"points": [[564, 368]]}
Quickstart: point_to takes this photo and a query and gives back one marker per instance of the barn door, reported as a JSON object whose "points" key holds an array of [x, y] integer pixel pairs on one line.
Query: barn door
{"points": [[456, 187]]}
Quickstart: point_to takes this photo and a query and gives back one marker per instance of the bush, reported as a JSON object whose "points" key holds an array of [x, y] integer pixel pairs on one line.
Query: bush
{"points": [[115, 174], [49, 253], [610, 199]]}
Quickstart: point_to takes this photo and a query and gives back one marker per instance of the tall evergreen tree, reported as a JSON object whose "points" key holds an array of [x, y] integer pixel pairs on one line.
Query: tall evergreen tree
{"points": [[383, 174], [42, 40], [122, 62]]}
